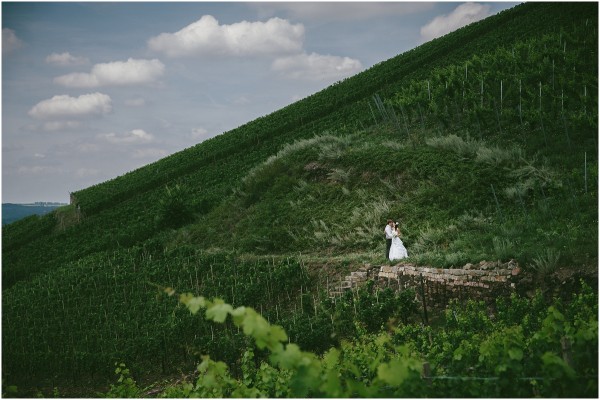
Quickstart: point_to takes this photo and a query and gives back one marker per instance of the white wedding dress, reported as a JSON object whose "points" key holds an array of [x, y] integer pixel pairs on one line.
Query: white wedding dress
{"points": [[397, 251]]}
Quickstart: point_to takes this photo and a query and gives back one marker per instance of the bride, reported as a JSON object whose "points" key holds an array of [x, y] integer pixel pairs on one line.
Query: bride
{"points": [[397, 251]]}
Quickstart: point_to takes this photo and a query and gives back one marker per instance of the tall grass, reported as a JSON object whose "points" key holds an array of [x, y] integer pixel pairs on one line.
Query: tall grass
{"points": [[546, 262]]}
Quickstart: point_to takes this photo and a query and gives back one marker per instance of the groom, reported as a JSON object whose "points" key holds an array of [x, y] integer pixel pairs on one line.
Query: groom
{"points": [[388, 237]]}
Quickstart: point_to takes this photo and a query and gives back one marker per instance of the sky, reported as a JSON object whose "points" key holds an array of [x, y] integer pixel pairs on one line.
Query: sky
{"points": [[93, 90]]}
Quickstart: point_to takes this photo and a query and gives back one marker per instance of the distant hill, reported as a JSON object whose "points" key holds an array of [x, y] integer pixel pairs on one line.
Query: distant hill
{"points": [[12, 212]]}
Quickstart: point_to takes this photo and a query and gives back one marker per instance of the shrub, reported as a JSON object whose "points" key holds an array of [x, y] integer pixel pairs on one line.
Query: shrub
{"points": [[173, 210]]}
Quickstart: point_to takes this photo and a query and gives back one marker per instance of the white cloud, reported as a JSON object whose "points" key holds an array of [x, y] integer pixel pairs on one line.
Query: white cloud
{"points": [[241, 100], [118, 73], [39, 155], [150, 153], [12, 147], [66, 60], [137, 102], [341, 11], [53, 126], [64, 106], [199, 133], [84, 172], [207, 37], [462, 15], [10, 41], [316, 67], [135, 136], [38, 170], [87, 148]]}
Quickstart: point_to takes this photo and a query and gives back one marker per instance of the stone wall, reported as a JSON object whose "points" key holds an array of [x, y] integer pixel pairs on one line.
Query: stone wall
{"points": [[439, 285]]}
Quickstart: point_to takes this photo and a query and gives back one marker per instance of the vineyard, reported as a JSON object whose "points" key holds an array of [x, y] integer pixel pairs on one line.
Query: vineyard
{"points": [[484, 144]]}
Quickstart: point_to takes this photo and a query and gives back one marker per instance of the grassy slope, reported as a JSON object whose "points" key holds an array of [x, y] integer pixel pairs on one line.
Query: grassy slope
{"points": [[337, 171], [121, 212]]}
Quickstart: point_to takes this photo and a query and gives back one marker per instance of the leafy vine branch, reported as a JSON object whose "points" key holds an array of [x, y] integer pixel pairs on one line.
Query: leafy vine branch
{"points": [[308, 373]]}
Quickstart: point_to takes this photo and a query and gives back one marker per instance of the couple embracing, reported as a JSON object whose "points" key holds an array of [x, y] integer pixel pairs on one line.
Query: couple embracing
{"points": [[394, 249]]}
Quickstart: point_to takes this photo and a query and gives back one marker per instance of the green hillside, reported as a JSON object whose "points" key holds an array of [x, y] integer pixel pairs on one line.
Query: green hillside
{"points": [[482, 143]]}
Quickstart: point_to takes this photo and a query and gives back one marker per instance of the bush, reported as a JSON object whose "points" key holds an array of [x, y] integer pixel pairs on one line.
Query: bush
{"points": [[173, 211]]}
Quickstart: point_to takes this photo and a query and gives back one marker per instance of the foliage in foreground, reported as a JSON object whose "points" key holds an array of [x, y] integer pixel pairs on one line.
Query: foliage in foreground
{"points": [[525, 350]]}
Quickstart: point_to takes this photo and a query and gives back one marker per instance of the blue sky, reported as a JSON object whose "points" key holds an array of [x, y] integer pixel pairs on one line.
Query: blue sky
{"points": [[93, 90]]}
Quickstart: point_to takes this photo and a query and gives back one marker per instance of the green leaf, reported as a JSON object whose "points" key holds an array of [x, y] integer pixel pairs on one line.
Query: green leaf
{"points": [[218, 311], [393, 373], [257, 327], [289, 358], [278, 333], [515, 354], [192, 303], [238, 315], [332, 386], [458, 354], [331, 358]]}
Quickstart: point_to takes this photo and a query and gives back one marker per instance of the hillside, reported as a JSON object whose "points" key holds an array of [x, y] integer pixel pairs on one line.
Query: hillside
{"points": [[14, 212], [482, 143]]}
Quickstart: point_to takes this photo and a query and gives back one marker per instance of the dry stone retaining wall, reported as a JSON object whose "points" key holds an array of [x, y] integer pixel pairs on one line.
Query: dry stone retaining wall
{"points": [[484, 280]]}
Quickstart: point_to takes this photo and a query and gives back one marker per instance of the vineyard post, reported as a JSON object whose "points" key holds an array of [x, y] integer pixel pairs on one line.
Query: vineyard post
{"points": [[428, 91], [427, 373], [565, 345], [585, 170], [501, 97], [553, 74], [424, 301], [520, 104], [481, 92], [584, 99], [540, 97], [566, 130]]}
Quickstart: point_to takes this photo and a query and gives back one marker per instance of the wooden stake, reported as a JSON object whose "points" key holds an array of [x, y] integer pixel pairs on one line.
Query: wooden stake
{"points": [[565, 344], [428, 91], [424, 301], [501, 97], [427, 372], [520, 105], [585, 170], [481, 93]]}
